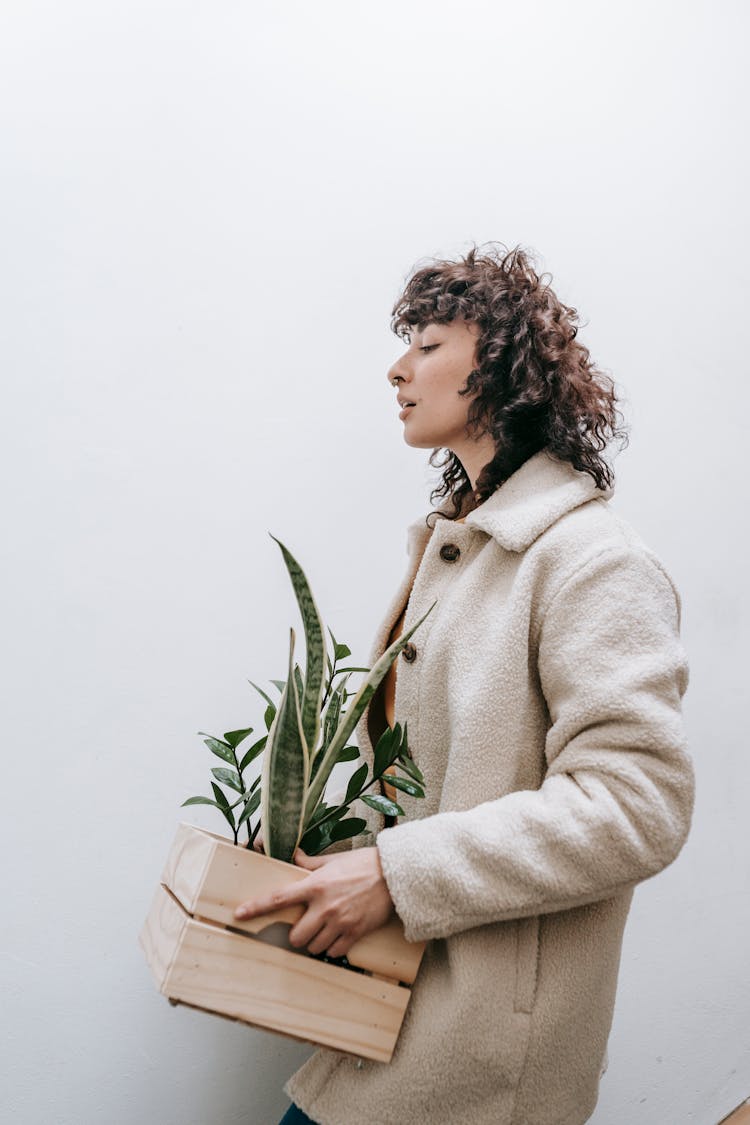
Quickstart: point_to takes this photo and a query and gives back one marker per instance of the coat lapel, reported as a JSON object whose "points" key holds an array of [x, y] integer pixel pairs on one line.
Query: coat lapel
{"points": [[532, 499]]}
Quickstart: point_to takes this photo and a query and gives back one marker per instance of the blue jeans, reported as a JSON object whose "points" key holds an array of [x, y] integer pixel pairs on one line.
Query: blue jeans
{"points": [[295, 1116]]}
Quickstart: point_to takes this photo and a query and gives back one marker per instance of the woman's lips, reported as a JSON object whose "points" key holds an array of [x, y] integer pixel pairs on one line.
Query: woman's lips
{"points": [[405, 411]]}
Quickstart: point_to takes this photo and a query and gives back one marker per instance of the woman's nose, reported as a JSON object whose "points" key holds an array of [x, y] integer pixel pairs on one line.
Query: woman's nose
{"points": [[398, 370]]}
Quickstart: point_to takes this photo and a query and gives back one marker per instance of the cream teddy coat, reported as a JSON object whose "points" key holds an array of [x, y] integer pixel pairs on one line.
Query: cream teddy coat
{"points": [[543, 703]]}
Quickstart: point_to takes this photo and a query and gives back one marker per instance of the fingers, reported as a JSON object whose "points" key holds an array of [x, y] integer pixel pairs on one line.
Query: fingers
{"points": [[265, 904], [311, 862], [320, 943], [341, 947]]}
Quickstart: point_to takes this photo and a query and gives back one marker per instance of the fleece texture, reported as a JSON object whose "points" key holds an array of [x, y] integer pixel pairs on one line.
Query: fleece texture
{"points": [[544, 708]]}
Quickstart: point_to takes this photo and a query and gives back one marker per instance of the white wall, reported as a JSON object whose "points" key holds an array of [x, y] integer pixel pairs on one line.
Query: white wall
{"points": [[208, 209]]}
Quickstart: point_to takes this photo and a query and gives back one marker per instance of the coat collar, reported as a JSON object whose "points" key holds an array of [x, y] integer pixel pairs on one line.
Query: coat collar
{"points": [[541, 491]]}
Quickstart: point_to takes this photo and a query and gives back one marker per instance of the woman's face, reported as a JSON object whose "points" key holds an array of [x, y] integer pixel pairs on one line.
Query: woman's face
{"points": [[430, 373]]}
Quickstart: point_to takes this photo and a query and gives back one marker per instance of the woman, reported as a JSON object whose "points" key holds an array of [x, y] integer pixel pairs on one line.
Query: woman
{"points": [[543, 702]]}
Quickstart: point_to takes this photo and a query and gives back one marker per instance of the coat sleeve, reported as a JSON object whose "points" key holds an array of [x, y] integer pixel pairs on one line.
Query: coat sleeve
{"points": [[616, 801]]}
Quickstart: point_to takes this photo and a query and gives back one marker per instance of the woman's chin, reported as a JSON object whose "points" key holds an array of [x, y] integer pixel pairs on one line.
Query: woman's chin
{"points": [[416, 440]]}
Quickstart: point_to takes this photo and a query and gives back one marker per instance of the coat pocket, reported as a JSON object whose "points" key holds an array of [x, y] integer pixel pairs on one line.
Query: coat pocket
{"points": [[527, 962]]}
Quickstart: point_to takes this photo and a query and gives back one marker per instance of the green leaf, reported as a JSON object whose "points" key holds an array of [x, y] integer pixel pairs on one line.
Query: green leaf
{"points": [[341, 651], [406, 760], [205, 734], [322, 810], [280, 684], [200, 801], [401, 783], [356, 782], [235, 737], [263, 693], [386, 750], [383, 805], [253, 752], [315, 840], [228, 777], [220, 749], [347, 754], [269, 716], [412, 769], [221, 796], [249, 809], [333, 711], [299, 681], [223, 804], [286, 772], [316, 655], [365, 693], [345, 829]]}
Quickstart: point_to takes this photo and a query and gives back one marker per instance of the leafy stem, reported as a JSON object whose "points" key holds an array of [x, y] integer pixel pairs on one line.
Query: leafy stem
{"points": [[243, 793]]}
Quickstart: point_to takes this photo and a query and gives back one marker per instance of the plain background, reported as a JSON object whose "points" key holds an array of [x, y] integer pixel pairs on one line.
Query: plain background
{"points": [[207, 211]]}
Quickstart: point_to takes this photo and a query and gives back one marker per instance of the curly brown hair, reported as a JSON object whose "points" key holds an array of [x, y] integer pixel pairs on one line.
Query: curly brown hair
{"points": [[536, 385]]}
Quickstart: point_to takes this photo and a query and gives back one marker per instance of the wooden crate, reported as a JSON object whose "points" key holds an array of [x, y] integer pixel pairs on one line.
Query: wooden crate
{"points": [[202, 956]]}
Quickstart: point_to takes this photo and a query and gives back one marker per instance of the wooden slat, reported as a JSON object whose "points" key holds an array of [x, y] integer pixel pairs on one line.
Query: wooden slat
{"points": [[740, 1116], [161, 934], [210, 876], [239, 976], [187, 863]]}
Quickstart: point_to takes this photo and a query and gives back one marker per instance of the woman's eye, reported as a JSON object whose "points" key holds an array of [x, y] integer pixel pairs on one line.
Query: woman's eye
{"points": [[428, 347]]}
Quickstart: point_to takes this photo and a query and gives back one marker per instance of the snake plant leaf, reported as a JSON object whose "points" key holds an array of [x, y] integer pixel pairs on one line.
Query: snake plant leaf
{"points": [[382, 804], [347, 754], [235, 737], [356, 709], [279, 684], [402, 783], [220, 750], [315, 659], [285, 774], [228, 777], [251, 754], [330, 722], [300, 682]]}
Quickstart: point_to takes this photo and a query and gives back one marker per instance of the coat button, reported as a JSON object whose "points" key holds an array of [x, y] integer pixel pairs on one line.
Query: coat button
{"points": [[409, 652], [449, 552]]}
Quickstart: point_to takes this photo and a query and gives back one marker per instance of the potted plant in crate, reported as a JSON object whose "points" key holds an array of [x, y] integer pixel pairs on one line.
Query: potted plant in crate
{"points": [[199, 953]]}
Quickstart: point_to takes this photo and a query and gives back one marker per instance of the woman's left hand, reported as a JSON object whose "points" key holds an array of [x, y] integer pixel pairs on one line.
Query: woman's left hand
{"points": [[346, 897]]}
